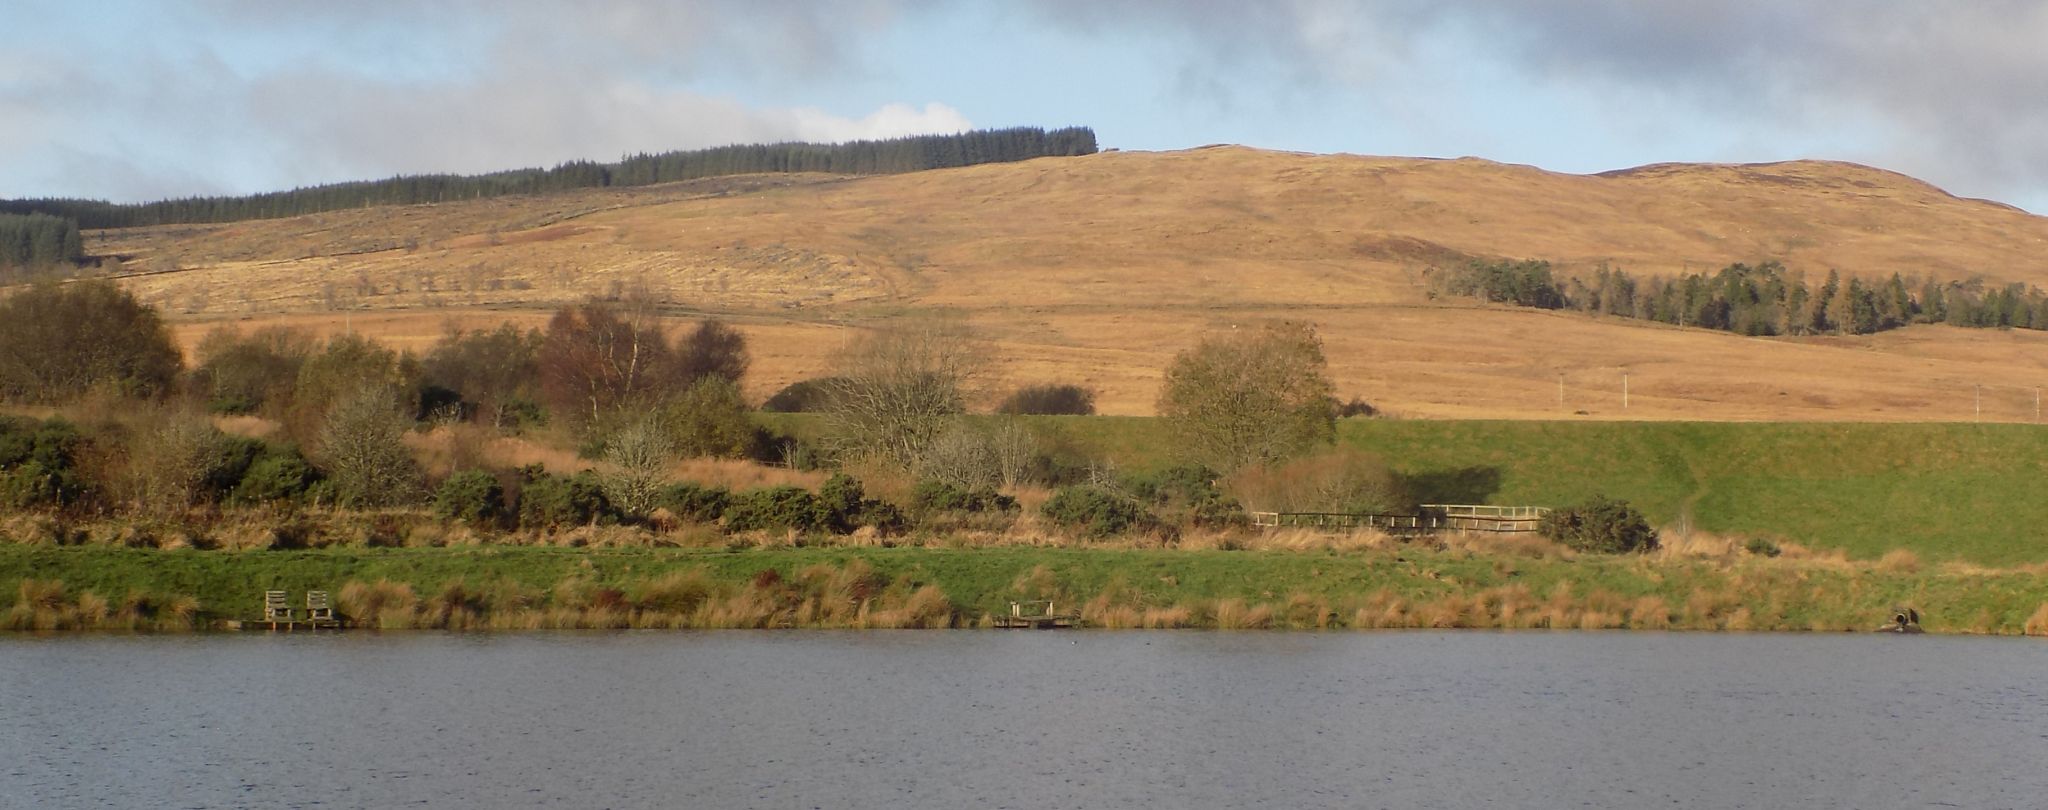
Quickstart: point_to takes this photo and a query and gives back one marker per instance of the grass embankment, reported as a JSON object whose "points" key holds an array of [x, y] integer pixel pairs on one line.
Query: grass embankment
{"points": [[1526, 585], [1943, 491]]}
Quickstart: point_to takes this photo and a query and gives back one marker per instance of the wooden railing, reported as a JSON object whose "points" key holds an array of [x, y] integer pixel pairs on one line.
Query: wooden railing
{"points": [[1434, 517]]}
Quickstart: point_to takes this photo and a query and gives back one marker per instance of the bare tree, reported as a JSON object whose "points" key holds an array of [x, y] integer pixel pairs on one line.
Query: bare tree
{"points": [[362, 448], [899, 388], [594, 357], [639, 453]]}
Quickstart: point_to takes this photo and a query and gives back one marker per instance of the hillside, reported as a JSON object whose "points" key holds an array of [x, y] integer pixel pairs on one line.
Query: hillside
{"points": [[1096, 269]]}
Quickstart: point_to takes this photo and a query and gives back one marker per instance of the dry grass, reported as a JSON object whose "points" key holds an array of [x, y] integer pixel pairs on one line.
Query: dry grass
{"points": [[1236, 234]]}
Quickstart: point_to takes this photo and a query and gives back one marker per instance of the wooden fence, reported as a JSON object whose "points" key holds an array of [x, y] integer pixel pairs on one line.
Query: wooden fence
{"points": [[1434, 517]]}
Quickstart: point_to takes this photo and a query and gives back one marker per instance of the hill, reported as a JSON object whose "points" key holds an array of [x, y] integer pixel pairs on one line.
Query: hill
{"points": [[1096, 269]]}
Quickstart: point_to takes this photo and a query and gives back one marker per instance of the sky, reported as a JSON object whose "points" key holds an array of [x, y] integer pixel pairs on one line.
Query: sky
{"points": [[133, 101]]}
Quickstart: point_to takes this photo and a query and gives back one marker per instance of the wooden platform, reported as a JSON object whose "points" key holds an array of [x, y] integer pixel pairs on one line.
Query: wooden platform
{"points": [[1042, 616], [292, 626]]}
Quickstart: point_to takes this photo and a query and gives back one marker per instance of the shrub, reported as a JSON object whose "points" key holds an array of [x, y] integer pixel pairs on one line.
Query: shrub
{"points": [[1187, 494], [244, 374], [695, 502], [640, 452], [471, 496], [774, 508], [1347, 480], [802, 396], [1762, 547], [362, 448], [712, 350], [1051, 399], [1600, 525], [349, 365], [493, 371], [551, 501], [278, 473], [1099, 512], [709, 419], [931, 497], [1356, 407], [39, 463], [1250, 397], [845, 506], [57, 342]]}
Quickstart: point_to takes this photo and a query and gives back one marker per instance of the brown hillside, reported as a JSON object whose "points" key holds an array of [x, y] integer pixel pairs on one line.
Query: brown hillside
{"points": [[1097, 269]]}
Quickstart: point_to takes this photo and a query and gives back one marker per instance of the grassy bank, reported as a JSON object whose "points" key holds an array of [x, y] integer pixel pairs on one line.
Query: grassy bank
{"points": [[1944, 491], [1531, 586]]}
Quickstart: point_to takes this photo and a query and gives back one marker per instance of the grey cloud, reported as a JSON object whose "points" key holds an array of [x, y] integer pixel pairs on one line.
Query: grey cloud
{"points": [[1953, 91]]}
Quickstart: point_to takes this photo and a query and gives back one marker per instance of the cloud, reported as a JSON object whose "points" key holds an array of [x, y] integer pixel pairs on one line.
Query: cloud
{"points": [[258, 98], [1949, 91]]}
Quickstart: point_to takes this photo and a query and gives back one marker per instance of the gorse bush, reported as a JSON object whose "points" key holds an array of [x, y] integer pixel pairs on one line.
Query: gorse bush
{"points": [[695, 502], [1600, 525], [1097, 512], [278, 474], [1186, 494], [931, 498], [845, 507], [774, 508], [39, 464], [1050, 399], [471, 496], [549, 501]]}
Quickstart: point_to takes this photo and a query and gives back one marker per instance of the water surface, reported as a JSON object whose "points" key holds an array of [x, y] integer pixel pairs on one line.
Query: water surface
{"points": [[1024, 720]]}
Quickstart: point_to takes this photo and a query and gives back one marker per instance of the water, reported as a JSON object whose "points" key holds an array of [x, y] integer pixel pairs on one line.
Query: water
{"points": [[1023, 720]]}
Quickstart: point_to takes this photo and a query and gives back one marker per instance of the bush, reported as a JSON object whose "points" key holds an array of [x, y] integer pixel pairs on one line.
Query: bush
{"points": [[1356, 407], [709, 419], [930, 498], [1600, 525], [1346, 480], [245, 374], [802, 396], [845, 506], [57, 342], [494, 372], [1250, 397], [1050, 400], [471, 496], [550, 501], [774, 508], [278, 473], [362, 449], [695, 502], [39, 464], [1187, 494], [1762, 547], [1099, 512]]}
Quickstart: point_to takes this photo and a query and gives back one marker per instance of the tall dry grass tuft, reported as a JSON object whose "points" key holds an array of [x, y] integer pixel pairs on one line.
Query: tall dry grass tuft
{"points": [[1650, 613], [383, 604], [1231, 613], [678, 593], [1899, 561], [2037, 624]]}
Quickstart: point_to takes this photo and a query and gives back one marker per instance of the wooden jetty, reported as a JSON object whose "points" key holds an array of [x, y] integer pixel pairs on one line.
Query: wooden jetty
{"points": [[1036, 618], [279, 615]]}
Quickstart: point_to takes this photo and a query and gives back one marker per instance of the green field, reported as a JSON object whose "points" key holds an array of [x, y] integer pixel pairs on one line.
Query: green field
{"points": [[1945, 491], [1410, 586]]}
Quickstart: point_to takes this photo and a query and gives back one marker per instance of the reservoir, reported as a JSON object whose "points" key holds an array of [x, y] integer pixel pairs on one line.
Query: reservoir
{"points": [[960, 719]]}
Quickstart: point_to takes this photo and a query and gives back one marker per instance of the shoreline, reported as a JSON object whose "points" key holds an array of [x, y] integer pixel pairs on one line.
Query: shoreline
{"points": [[96, 588]]}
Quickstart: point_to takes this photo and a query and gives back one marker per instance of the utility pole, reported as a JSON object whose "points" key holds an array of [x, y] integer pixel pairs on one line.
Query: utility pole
{"points": [[2037, 404], [1560, 394], [1980, 402], [1624, 390]]}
